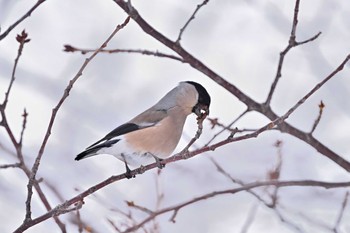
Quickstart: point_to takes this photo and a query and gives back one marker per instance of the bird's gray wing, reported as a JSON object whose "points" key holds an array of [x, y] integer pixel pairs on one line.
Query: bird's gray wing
{"points": [[146, 119]]}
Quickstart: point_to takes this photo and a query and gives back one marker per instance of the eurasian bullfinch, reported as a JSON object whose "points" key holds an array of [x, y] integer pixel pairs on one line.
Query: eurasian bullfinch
{"points": [[154, 133]]}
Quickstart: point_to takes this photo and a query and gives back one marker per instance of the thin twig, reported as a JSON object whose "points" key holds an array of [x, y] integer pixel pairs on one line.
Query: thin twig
{"points": [[200, 120], [26, 15], [291, 43], [24, 123], [199, 6], [22, 39], [341, 213], [275, 173], [14, 165], [321, 106], [70, 48], [138, 207], [53, 117], [226, 127]]}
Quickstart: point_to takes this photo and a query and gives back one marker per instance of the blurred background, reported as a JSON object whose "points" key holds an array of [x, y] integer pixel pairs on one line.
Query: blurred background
{"points": [[241, 41]]}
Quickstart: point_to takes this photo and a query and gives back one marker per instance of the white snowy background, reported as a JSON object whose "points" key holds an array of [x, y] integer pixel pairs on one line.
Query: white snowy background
{"points": [[239, 40]]}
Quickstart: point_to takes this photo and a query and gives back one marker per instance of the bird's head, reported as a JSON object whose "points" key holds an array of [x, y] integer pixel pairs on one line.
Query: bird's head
{"points": [[203, 100]]}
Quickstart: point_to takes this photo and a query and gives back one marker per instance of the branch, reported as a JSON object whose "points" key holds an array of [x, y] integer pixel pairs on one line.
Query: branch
{"points": [[291, 44], [26, 15], [224, 128], [301, 183], [14, 165], [199, 6], [72, 49], [341, 212], [200, 120], [24, 115], [321, 106], [52, 119]]}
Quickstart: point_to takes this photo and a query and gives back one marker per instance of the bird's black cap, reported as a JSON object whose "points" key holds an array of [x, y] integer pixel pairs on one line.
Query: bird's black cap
{"points": [[203, 96]]}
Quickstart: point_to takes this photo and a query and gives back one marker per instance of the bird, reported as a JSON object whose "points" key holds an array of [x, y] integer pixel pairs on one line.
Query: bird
{"points": [[154, 133]]}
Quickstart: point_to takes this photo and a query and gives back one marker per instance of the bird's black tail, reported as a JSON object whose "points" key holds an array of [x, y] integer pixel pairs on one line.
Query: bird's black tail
{"points": [[91, 151]]}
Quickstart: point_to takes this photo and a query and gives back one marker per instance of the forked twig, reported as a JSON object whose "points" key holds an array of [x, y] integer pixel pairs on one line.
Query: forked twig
{"points": [[199, 6], [321, 106], [291, 44]]}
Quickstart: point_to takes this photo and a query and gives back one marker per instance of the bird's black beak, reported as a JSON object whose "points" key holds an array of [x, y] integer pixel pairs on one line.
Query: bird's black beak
{"points": [[200, 110]]}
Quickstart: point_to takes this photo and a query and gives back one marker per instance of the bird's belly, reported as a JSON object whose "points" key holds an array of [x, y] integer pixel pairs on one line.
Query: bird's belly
{"points": [[125, 153]]}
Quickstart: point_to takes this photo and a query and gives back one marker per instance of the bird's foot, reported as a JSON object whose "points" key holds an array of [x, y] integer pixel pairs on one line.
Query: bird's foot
{"points": [[185, 154], [159, 162], [141, 169], [128, 173]]}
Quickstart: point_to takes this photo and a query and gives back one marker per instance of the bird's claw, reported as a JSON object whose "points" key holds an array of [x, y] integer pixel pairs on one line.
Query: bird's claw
{"points": [[128, 173]]}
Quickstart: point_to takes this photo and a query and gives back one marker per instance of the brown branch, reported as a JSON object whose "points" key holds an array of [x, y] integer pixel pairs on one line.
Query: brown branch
{"points": [[26, 15], [341, 212], [72, 49], [275, 173], [22, 39], [224, 128], [199, 6], [321, 106], [14, 165], [200, 120], [138, 207], [36, 164], [253, 185], [291, 44], [24, 123], [250, 103]]}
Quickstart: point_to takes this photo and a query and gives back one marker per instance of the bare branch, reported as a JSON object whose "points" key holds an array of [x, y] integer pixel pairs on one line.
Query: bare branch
{"points": [[141, 208], [291, 43], [276, 172], [69, 48], [224, 128], [199, 6], [176, 208], [14, 165], [22, 40], [53, 117], [341, 212], [321, 106], [200, 120], [24, 115], [26, 15]]}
